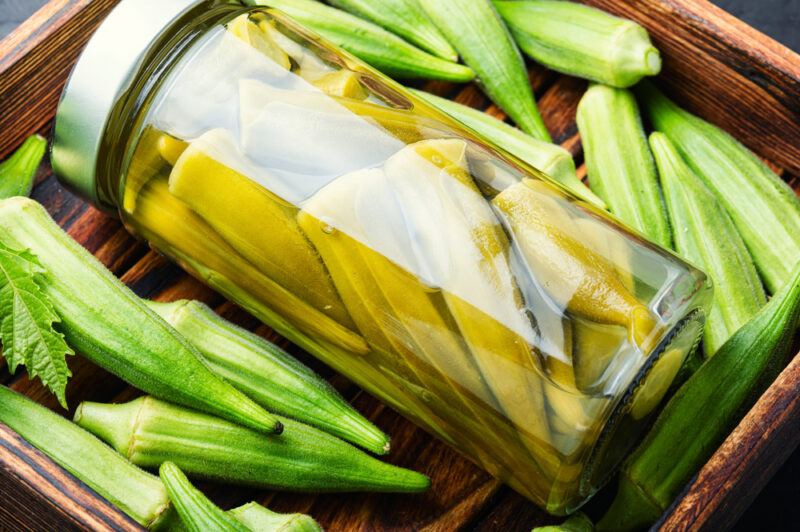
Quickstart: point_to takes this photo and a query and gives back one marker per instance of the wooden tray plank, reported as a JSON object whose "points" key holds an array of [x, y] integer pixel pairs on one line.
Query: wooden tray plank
{"points": [[35, 61], [42, 496], [717, 66]]}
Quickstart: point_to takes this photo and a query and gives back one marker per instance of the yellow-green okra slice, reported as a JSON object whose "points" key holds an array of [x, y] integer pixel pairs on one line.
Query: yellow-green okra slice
{"points": [[460, 248], [577, 277], [260, 225], [173, 227], [357, 227]]}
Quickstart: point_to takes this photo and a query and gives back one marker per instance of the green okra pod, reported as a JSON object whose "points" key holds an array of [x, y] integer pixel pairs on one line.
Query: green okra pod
{"points": [[137, 493], [260, 519], [619, 163], [369, 42], [111, 326], [197, 512], [476, 31], [269, 375], [550, 158], [706, 235], [582, 41], [764, 208], [150, 432], [18, 172], [704, 411], [578, 522], [405, 18]]}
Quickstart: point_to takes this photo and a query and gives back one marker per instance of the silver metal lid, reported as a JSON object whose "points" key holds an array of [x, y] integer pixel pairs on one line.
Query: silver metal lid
{"points": [[104, 71]]}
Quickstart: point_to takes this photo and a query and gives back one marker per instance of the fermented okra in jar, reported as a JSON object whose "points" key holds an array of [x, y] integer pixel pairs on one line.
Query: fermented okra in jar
{"points": [[522, 326]]}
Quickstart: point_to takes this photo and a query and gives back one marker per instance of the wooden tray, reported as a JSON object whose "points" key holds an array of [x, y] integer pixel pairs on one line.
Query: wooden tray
{"points": [[714, 64]]}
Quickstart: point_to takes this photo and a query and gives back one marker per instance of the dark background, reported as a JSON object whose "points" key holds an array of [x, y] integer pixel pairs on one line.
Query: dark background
{"points": [[777, 508]]}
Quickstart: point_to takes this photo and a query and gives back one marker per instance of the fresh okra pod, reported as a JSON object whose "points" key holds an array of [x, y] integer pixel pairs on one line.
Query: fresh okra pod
{"points": [[149, 432], [369, 42], [269, 375], [197, 512], [706, 235], [137, 493], [405, 18], [18, 172], [476, 31], [550, 158], [704, 411], [619, 163], [578, 522], [260, 519], [111, 326], [582, 41], [764, 208]]}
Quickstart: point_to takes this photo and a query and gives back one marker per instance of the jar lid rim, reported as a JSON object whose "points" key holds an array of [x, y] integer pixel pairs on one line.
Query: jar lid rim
{"points": [[104, 71]]}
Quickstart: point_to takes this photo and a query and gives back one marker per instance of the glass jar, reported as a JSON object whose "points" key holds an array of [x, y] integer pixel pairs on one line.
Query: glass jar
{"points": [[526, 328]]}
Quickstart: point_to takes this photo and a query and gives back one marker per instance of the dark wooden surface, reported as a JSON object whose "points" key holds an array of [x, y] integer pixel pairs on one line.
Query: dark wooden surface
{"points": [[33, 63]]}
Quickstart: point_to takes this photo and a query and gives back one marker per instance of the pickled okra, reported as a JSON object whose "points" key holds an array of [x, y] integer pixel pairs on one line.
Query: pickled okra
{"points": [[137, 493], [150, 432], [108, 324], [550, 158], [228, 200], [269, 375]]}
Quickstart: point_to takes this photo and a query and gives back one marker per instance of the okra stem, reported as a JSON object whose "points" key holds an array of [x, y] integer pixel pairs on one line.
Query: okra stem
{"points": [[704, 411], [261, 519], [18, 172], [135, 492], [150, 432], [269, 375], [111, 326]]}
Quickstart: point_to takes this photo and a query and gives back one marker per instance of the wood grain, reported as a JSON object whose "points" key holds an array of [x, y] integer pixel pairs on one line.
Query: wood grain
{"points": [[37, 494], [725, 71], [34, 63]]}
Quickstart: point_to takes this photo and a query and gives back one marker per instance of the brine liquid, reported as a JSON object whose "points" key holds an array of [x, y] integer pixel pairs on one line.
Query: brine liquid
{"points": [[461, 288]]}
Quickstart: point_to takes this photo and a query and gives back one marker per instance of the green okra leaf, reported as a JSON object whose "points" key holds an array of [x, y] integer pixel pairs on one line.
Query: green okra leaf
{"points": [[582, 41], [137, 493], [27, 320], [18, 172], [111, 326], [260, 519], [369, 42], [764, 208], [706, 235], [197, 512], [704, 410], [269, 375], [476, 31], [619, 163], [150, 432], [550, 158], [405, 18]]}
